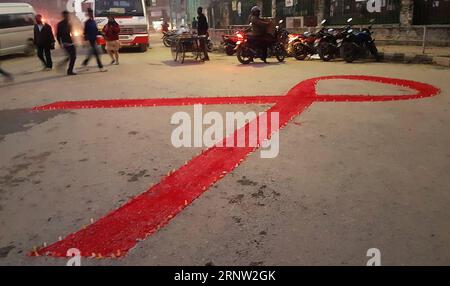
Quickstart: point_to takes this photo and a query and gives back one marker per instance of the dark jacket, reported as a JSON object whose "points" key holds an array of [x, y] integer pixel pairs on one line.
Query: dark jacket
{"points": [[202, 25], [90, 30], [63, 32], [259, 26], [44, 38]]}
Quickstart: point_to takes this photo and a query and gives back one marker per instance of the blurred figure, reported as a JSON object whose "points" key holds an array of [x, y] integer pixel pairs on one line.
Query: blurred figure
{"points": [[7, 75], [194, 24], [65, 40], [202, 30], [111, 33], [90, 35], [44, 42], [165, 26]]}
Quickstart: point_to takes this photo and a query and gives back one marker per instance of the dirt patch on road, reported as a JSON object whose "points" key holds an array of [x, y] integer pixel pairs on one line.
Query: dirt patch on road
{"points": [[4, 251], [12, 178], [17, 120]]}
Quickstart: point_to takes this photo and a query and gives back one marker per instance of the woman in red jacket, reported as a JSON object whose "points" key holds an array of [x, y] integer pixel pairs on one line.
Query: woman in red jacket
{"points": [[111, 33]]}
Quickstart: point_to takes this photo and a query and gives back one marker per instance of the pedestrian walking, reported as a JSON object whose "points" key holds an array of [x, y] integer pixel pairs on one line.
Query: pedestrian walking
{"points": [[7, 75], [44, 42], [90, 35], [111, 33], [65, 40], [202, 30]]}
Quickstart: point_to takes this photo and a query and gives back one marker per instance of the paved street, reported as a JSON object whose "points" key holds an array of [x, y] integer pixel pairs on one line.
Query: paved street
{"points": [[349, 175]]}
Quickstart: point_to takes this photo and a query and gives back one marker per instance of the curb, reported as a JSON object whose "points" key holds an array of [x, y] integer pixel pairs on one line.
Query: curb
{"points": [[415, 59], [412, 58], [402, 58], [442, 61]]}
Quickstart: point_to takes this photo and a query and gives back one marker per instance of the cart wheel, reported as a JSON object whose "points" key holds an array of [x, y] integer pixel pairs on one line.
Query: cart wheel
{"points": [[201, 55], [174, 50], [181, 53]]}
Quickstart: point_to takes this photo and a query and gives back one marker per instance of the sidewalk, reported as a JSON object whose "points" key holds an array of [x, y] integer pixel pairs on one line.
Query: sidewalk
{"points": [[414, 54], [416, 50]]}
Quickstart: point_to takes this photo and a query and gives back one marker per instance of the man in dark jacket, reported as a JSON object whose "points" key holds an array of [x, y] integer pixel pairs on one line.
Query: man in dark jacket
{"points": [[65, 40], [44, 42], [202, 30], [90, 35]]}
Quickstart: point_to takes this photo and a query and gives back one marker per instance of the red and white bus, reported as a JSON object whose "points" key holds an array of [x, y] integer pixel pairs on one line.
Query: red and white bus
{"points": [[132, 18]]}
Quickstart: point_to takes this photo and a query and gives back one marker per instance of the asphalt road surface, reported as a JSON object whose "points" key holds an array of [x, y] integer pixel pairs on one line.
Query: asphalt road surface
{"points": [[349, 176]]}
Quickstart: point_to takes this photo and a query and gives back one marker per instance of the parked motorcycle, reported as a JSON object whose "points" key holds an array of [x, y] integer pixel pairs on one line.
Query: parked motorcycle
{"points": [[305, 46], [169, 37], [209, 45], [323, 43], [326, 43], [357, 44], [229, 43], [315, 43], [246, 50], [290, 45]]}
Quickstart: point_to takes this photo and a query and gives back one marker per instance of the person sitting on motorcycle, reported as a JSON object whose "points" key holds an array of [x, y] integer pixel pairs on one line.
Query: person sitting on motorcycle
{"points": [[259, 30], [164, 27]]}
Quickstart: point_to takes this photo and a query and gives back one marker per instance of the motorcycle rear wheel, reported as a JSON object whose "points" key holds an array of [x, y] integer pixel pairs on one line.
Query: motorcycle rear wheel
{"points": [[242, 58], [300, 52], [325, 52], [374, 51], [166, 42], [210, 46], [229, 50], [348, 52], [280, 53]]}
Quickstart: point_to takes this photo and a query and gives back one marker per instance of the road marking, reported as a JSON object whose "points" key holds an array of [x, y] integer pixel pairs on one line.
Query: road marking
{"points": [[116, 233]]}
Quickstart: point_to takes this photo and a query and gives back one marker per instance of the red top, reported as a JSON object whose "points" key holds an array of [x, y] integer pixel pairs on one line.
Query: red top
{"points": [[111, 32]]}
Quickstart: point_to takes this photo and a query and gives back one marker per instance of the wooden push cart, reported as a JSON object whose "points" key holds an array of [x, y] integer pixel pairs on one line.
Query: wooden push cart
{"points": [[188, 44]]}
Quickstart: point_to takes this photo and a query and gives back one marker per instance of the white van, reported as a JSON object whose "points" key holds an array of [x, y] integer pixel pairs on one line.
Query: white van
{"points": [[16, 28]]}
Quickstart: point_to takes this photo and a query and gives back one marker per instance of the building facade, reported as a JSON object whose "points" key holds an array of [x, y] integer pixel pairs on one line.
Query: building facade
{"points": [[172, 11], [396, 20], [46, 6], [400, 12]]}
